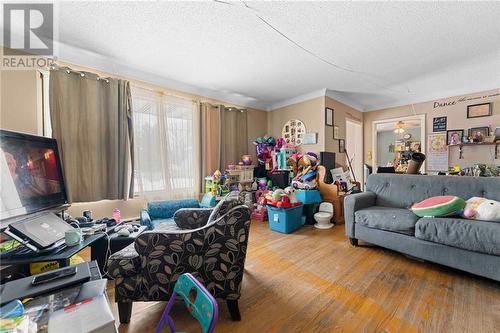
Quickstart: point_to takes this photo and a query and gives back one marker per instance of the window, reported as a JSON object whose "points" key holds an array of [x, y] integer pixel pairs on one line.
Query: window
{"points": [[165, 145]]}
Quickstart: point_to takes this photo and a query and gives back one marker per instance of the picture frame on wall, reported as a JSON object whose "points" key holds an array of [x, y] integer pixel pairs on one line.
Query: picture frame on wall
{"points": [[479, 110], [478, 134], [454, 137], [336, 131], [341, 146], [329, 117]]}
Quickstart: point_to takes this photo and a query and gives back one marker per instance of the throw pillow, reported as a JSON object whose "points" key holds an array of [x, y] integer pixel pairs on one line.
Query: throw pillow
{"points": [[482, 209], [444, 205]]}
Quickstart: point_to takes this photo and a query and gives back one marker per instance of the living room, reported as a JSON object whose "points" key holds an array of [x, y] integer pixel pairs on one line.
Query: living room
{"points": [[279, 166]]}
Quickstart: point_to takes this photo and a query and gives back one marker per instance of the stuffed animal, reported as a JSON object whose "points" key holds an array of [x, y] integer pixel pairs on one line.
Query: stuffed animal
{"points": [[290, 191], [482, 209]]}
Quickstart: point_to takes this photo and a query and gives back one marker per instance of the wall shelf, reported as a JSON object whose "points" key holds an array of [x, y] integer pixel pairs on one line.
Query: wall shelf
{"points": [[461, 145], [475, 144]]}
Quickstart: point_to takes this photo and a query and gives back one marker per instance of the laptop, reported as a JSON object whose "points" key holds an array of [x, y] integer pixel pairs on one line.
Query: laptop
{"points": [[42, 230]]}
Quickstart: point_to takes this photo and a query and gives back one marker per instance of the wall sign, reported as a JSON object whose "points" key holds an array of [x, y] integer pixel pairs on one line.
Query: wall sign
{"points": [[439, 124], [440, 104]]}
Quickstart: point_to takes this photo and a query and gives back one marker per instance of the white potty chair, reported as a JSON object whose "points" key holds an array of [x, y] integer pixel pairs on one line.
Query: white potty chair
{"points": [[324, 216]]}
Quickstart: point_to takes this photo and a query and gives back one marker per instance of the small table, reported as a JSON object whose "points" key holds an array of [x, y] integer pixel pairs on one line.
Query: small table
{"points": [[117, 242], [62, 255]]}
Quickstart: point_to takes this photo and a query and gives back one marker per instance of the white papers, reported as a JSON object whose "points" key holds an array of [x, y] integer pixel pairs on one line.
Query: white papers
{"points": [[341, 175], [92, 315]]}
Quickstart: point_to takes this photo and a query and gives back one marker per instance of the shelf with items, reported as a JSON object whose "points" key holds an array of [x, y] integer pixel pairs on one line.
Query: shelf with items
{"points": [[461, 145]]}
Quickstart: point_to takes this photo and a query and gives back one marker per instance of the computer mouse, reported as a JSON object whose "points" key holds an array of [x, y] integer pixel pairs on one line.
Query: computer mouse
{"points": [[123, 232]]}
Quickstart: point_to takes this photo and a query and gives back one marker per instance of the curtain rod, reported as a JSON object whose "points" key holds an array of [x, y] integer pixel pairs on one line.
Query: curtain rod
{"points": [[230, 108], [106, 79], [81, 73]]}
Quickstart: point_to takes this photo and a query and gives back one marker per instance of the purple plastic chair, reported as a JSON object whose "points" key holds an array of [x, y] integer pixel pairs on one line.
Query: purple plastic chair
{"points": [[200, 303]]}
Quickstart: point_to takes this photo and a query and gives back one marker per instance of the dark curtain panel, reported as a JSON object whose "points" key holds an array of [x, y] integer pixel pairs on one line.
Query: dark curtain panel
{"points": [[92, 122], [234, 135]]}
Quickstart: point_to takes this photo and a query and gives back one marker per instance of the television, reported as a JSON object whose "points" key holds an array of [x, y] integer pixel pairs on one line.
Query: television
{"points": [[31, 175]]}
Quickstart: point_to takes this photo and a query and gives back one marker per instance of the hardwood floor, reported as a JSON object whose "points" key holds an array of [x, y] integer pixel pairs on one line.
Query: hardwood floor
{"points": [[314, 281]]}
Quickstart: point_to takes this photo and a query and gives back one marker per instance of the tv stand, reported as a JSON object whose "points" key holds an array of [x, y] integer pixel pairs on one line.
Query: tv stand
{"points": [[62, 253]]}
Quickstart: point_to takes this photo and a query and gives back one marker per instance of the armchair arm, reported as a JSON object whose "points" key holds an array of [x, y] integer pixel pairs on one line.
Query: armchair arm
{"points": [[146, 219], [353, 203], [192, 218]]}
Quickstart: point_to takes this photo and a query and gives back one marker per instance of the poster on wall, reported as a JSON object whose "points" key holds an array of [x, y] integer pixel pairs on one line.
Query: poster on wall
{"points": [[439, 124], [437, 155]]}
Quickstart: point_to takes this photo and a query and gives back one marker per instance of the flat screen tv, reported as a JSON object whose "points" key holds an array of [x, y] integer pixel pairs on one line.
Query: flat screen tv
{"points": [[31, 175]]}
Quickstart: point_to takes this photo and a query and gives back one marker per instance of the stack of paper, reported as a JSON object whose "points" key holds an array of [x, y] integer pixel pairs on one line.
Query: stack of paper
{"points": [[90, 315]]}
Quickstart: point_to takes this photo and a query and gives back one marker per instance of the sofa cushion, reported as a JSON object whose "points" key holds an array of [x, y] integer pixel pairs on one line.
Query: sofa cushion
{"points": [[164, 225], [166, 209], [386, 218], [124, 263], [479, 236]]}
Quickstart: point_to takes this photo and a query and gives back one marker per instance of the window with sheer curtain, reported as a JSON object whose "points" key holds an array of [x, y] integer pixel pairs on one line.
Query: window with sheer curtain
{"points": [[166, 145]]}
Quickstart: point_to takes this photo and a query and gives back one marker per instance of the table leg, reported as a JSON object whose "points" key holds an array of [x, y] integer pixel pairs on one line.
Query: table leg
{"points": [[98, 251]]}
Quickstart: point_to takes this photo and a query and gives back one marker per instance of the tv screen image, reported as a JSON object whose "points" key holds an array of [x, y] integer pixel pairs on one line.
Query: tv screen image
{"points": [[31, 175]]}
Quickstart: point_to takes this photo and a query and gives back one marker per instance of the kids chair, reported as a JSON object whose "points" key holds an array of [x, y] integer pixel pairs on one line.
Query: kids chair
{"points": [[200, 303]]}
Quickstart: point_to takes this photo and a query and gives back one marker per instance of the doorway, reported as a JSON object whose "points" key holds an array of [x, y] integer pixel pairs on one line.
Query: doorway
{"points": [[354, 148], [393, 141]]}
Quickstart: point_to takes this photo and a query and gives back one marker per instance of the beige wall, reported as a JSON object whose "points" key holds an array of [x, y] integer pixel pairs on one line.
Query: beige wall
{"points": [[310, 112], [341, 112], [20, 111], [457, 119], [19, 103]]}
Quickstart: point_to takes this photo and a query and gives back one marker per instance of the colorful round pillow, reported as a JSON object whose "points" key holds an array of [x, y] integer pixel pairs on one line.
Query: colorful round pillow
{"points": [[444, 205]]}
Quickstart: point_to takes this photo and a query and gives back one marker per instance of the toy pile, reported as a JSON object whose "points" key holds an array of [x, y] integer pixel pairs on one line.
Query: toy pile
{"points": [[282, 198], [265, 147], [305, 170], [216, 184]]}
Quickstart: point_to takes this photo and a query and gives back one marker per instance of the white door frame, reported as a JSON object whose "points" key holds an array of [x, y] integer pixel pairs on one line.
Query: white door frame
{"points": [[361, 176], [423, 138]]}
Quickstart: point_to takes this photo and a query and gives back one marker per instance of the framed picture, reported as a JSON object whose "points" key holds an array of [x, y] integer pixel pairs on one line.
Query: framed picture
{"points": [[439, 124], [341, 146], [336, 132], [479, 110], [454, 137], [478, 134], [328, 117]]}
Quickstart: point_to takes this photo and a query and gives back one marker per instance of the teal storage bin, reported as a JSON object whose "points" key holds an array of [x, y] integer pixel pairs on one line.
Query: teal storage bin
{"points": [[285, 220], [308, 196]]}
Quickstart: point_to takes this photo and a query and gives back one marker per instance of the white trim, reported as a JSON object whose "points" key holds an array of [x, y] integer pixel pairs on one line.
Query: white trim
{"points": [[423, 138], [339, 97], [298, 99]]}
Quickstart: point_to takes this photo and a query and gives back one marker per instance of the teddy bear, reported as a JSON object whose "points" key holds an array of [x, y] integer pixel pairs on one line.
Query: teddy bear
{"points": [[290, 191], [482, 209]]}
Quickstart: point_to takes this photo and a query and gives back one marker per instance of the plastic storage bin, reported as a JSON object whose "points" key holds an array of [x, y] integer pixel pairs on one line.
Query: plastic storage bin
{"points": [[285, 220], [308, 196]]}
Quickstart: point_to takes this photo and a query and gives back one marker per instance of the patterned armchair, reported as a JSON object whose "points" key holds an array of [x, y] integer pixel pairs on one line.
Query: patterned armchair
{"points": [[214, 253]]}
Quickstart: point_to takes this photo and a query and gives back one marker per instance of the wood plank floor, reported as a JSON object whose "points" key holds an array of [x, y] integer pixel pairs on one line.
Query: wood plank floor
{"points": [[314, 281]]}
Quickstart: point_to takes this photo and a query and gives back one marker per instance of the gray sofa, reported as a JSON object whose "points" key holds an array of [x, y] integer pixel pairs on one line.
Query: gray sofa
{"points": [[381, 216]]}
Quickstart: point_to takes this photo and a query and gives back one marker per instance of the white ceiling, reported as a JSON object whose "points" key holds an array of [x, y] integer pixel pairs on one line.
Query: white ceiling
{"points": [[395, 52]]}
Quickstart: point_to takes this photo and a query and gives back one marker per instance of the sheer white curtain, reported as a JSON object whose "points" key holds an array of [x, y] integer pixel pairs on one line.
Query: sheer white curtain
{"points": [[166, 145]]}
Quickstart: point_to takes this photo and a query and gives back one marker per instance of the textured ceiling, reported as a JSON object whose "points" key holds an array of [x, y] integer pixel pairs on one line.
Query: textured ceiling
{"points": [[371, 55]]}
